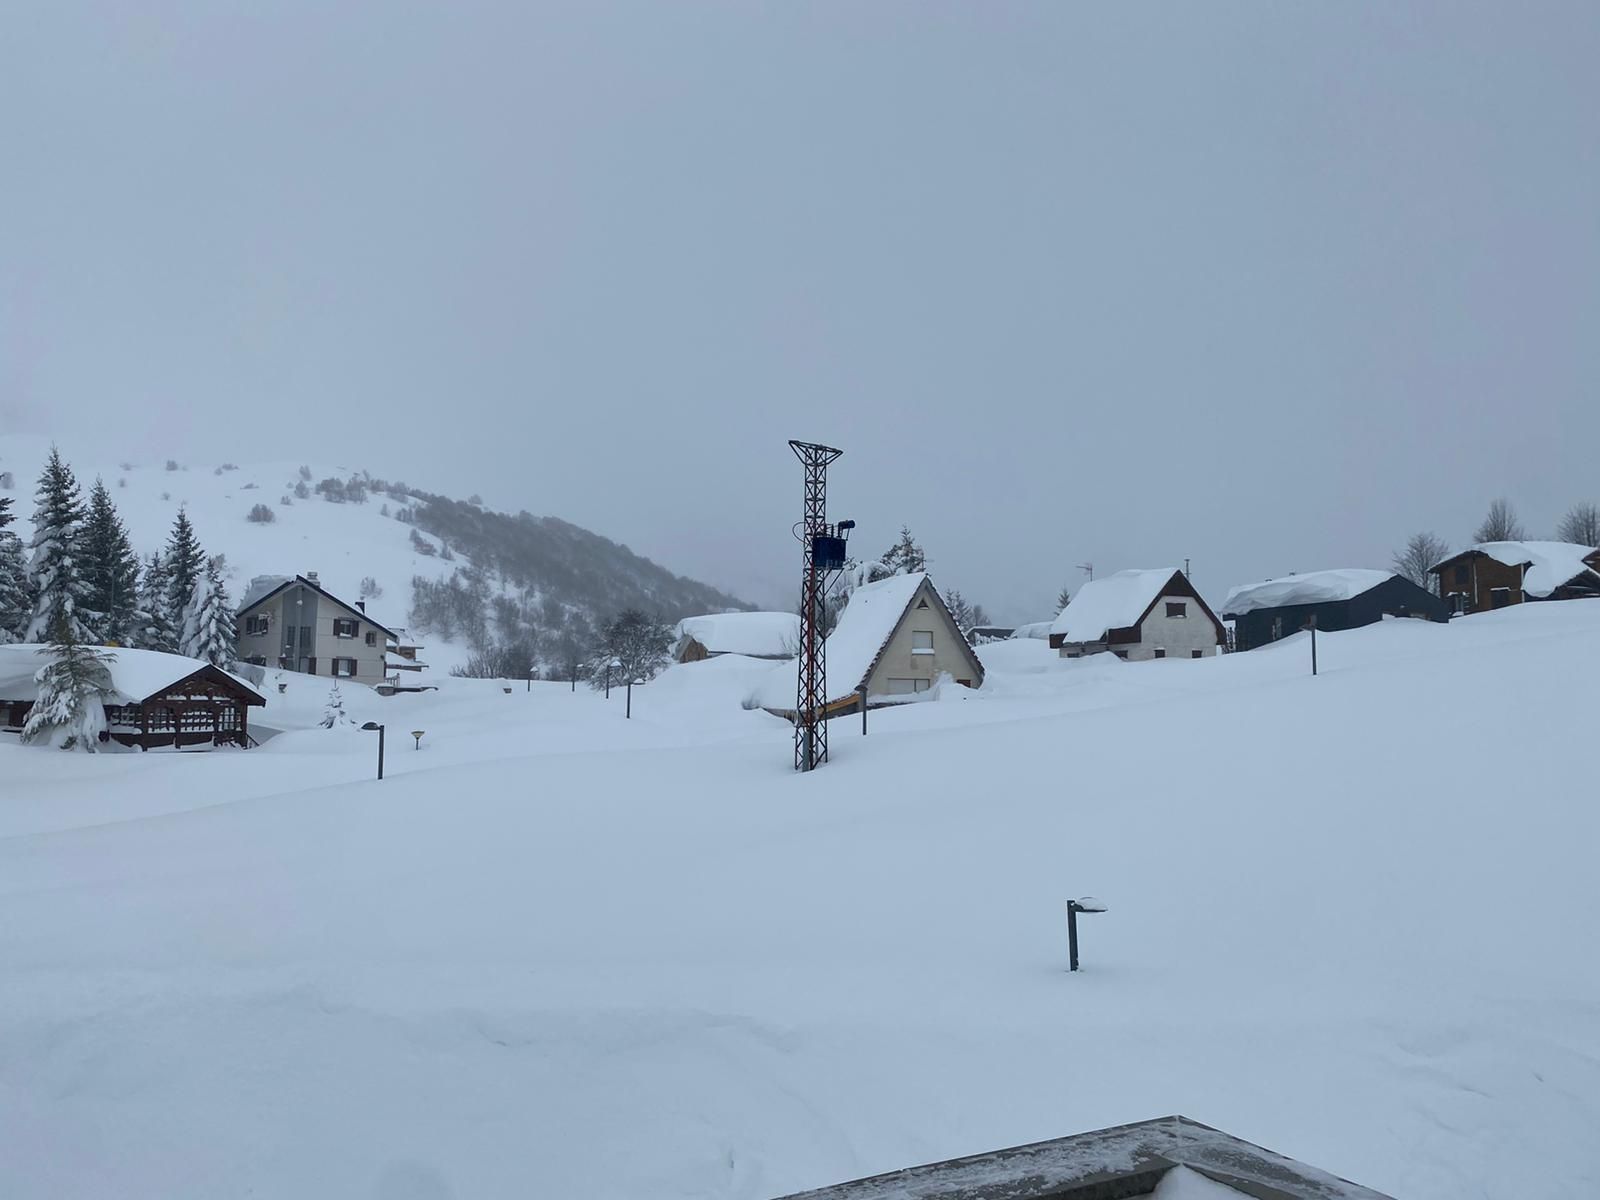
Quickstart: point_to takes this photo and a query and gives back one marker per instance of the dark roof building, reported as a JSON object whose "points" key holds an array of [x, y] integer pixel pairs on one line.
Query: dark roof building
{"points": [[1497, 574], [1345, 598]]}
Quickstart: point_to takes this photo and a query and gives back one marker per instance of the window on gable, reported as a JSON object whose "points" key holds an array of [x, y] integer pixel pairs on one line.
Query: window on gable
{"points": [[922, 604], [372, 637], [1177, 608], [255, 626], [922, 641], [345, 628]]}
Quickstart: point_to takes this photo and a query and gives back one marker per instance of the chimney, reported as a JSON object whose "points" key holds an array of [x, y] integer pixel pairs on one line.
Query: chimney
{"points": [[362, 605], [311, 577]]}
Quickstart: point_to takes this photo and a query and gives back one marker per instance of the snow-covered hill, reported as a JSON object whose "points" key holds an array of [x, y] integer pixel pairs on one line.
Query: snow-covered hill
{"points": [[562, 953], [345, 543]]}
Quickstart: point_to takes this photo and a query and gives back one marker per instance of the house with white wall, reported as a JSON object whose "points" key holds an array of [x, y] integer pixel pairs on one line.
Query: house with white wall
{"points": [[894, 640], [292, 623], [1138, 616]]}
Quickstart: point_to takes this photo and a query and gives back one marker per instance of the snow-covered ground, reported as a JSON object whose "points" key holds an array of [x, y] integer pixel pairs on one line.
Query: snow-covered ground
{"points": [[560, 953]]}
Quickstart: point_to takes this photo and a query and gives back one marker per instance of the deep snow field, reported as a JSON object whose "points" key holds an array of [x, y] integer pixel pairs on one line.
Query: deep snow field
{"points": [[560, 954]]}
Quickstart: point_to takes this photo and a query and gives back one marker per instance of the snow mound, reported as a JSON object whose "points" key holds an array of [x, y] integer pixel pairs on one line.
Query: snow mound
{"points": [[1314, 587]]}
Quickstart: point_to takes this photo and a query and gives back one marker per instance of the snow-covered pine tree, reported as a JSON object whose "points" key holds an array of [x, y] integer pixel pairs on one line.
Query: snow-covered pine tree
{"points": [[59, 609], [905, 557], [1063, 598], [157, 631], [111, 570], [69, 710], [960, 610], [186, 563], [16, 590], [208, 630], [334, 713]]}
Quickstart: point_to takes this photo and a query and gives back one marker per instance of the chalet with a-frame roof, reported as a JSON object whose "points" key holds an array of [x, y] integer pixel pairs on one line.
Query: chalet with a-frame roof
{"points": [[894, 641], [155, 700], [1138, 615], [293, 623]]}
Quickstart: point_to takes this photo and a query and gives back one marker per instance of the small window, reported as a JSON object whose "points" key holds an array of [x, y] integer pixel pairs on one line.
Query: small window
{"points": [[1177, 608], [345, 667], [372, 638], [1161, 651], [344, 628], [922, 641], [255, 626], [922, 604], [1197, 654], [1500, 597], [1463, 576]]}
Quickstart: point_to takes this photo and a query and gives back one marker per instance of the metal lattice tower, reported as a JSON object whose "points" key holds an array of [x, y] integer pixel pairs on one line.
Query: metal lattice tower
{"points": [[810, 722]]}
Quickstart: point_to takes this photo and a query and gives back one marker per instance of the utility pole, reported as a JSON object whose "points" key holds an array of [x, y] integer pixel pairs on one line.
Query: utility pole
{"points": [[823, 554]]}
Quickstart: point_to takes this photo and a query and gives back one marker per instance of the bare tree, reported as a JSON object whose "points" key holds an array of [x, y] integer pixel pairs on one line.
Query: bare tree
{"points": [[1421, 551], [1580, 525], [1500, 524]]}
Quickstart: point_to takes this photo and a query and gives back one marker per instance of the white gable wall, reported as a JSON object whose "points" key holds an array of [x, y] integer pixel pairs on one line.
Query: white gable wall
{"points": [[899, 661], [1178, 636]]}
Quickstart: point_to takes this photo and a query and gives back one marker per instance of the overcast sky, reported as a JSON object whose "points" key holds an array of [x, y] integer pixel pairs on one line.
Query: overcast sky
{"points": [[1266, 286]]}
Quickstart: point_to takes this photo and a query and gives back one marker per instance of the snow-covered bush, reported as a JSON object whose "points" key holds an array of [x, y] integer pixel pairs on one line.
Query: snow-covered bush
{"points": [[301, 491], [286, 500], [172, 465], [305, 474], [421, 544], [260, 514]]}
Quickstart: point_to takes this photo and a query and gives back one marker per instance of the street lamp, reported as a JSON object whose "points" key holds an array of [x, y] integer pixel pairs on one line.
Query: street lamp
{"points": [[615, 663], [369, 727], [1085, 904]]}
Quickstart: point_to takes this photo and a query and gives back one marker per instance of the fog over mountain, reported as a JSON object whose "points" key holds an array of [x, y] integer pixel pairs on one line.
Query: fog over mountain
{"points": [[1268, 287]]}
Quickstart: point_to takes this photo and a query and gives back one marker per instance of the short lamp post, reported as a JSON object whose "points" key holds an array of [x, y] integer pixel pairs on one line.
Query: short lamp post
{"points": [[369, 727], [417, 733], [614, 665], [530, 679], [1086, 904], [628, 711], [1312, 625]]}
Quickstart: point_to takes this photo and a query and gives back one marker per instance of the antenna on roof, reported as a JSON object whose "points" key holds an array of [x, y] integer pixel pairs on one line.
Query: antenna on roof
{"points": [[1186, 568], [1088, 567]]}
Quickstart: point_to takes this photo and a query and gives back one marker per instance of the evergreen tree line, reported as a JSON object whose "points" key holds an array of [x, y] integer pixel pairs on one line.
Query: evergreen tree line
{"points": [[77, 581]]}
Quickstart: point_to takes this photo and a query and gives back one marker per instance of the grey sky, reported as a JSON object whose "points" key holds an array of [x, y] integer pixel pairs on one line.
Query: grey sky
{"points": [[1268, 286]]}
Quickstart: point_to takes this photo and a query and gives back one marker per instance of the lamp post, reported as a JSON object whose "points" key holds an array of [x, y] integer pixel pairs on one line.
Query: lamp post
{"points": [[530, 679], [1313, 626], [615, 663], [628, 712], [1085, 904], [371, 725]]}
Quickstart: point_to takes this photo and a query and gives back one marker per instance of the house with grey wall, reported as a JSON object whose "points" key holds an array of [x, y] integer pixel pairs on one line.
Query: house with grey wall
{"points": [[1138, 616], [291, 623]]}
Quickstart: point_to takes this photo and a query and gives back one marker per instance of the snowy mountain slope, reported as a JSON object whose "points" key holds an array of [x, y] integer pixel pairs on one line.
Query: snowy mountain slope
{"points": [[558, 952], [342, 542]]}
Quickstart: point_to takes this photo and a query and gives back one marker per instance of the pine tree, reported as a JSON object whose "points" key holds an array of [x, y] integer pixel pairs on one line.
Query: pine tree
{"points": [[111, 570], [208, 628], [59, 610], [69, 710], [1063, 598], [334, 713], [16, 589], [157, 631], [960, 610], [185, 563], [905, 557]]}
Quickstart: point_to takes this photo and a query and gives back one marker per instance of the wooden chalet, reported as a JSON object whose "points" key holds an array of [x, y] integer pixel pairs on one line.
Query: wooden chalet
{"points": [[1498, 574], [156, 699]]}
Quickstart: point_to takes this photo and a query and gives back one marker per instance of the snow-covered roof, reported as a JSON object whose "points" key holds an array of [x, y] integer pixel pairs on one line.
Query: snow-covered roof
{"points": [[1114, 602], [1033, 629], [1314, 587], [136, 675], [865, 625], [261, 586], [1550, 564], [759, 634]]}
